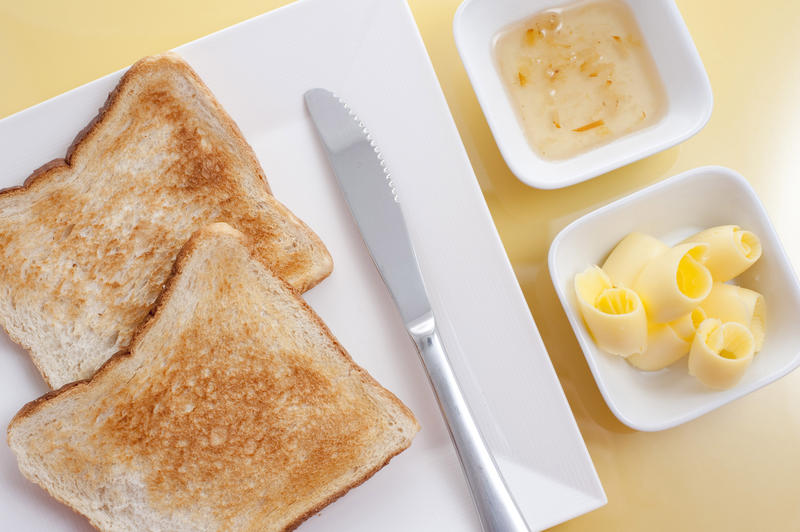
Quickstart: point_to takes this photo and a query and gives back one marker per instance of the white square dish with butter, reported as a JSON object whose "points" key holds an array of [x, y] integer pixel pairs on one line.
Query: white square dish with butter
{"points": [[573, 90], [663, 386]]}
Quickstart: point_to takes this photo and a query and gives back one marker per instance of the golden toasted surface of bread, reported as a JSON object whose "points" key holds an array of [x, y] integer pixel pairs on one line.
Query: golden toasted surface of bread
{"points": [[236, 409], [87, 243]]}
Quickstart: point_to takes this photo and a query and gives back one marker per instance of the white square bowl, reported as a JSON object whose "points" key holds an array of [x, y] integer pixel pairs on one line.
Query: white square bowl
{"points": [[671, 211], [688, 91]]}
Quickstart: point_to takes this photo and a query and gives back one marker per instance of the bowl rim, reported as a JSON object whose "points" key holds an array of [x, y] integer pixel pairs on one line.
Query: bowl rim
{"points": [[574, 320], [513, 157]]}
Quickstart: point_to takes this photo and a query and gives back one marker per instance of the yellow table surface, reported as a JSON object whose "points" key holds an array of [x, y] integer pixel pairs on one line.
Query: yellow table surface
{"points": [[737, 468]]}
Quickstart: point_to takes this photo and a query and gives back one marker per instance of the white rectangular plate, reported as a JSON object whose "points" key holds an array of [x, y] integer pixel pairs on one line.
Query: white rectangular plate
{"points": [[370, 53]]}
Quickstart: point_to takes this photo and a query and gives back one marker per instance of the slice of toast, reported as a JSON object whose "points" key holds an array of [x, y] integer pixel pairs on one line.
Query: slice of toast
{"points": [[235, 409], [87, 243]]}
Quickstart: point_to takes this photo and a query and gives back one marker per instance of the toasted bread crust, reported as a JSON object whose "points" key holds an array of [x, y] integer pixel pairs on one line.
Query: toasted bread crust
{"points": [[137, 69], [182, 264], [339, 494], [215, 190]]}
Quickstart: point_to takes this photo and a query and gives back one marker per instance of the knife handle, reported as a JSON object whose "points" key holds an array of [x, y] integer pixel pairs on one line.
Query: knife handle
{"points": [[496, 507]]}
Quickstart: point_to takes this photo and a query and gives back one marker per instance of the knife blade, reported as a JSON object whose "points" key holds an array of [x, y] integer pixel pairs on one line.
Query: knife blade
{"points": [[373, 201]]}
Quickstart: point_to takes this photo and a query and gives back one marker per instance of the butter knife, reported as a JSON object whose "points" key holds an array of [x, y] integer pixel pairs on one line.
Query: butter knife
{"points": [[373, 201]]}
